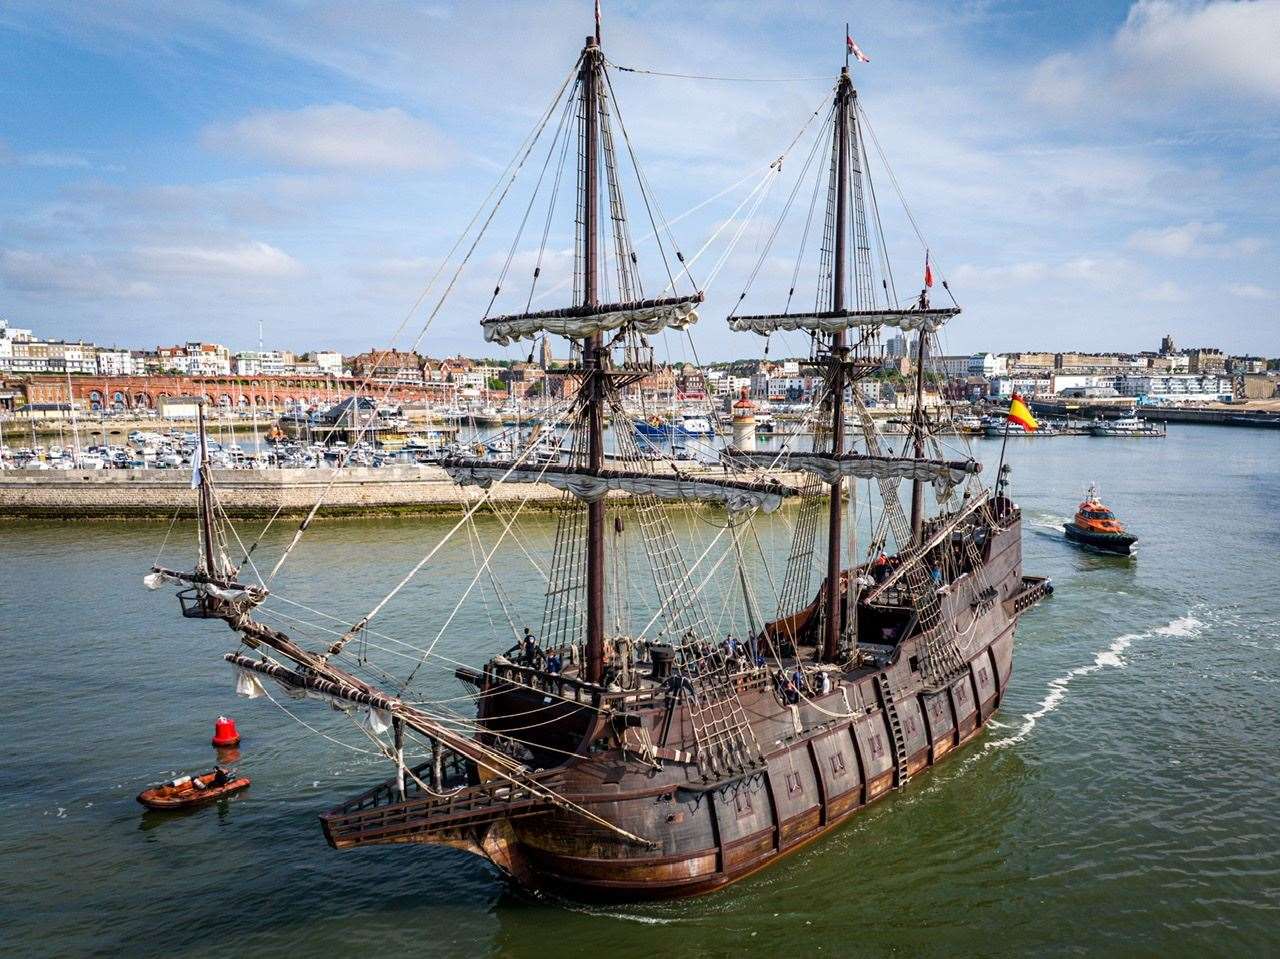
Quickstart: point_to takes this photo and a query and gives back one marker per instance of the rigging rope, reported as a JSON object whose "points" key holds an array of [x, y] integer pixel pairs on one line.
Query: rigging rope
{"points": [[530, 141], [695, 76]]}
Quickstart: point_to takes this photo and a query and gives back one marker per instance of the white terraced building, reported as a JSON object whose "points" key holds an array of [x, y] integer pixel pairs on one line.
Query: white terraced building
{"points": [[1177, 387]]}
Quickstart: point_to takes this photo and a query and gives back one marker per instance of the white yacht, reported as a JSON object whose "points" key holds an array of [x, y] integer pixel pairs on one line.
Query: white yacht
{"points": [[1125, 426]]}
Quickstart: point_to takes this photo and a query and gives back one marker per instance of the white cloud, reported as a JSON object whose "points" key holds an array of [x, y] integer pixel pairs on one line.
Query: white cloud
{"points": [[1167, 53], [1193, 239], [336, 135], [1099, 272], [44, 158], [1226, 45], [1251, 291], [255, 259], [71, 274], [1165, 292], [56, 160]]}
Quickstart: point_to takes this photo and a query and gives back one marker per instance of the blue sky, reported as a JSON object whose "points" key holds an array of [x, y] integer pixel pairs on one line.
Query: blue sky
{"points": [[1087, 175]]}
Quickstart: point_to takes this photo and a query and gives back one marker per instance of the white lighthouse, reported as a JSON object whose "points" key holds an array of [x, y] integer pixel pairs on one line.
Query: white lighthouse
{"points": [[744, 423]]}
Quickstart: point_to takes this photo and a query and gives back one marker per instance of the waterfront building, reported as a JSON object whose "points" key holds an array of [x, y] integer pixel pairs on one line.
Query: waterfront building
{"points": [[1082, 384], [260, 363], [1176, 387], [1168, 363], [113, 361], [950, 367], [1206, 360], [179, 407], [987, 365], [1248, 364], [1259, 386], [329, 361], [1003, 387], [194, 359], [389, 366], [30, 355], [12, 344]]}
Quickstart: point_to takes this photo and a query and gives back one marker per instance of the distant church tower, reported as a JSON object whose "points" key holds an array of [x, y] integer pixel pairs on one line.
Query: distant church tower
{"points": [[546, 353], [1166, 345]]}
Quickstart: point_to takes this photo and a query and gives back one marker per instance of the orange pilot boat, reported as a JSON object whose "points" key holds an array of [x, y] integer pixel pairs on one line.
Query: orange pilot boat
{"points": [[1095, 525], [189, 791]]}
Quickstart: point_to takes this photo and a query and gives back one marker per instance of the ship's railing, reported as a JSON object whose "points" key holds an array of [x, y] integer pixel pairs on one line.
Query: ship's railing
{"points": [[455, 773], [357, 822], [565, 687], [575, 690]]}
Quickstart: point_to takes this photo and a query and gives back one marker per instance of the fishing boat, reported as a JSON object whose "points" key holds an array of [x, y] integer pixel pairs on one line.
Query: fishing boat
{"points": [[1125, 426], [630, 753], [187, 792], [1096, 526]]}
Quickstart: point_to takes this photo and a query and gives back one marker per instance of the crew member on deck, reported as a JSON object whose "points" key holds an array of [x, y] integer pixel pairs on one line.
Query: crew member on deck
{"points": [[529, 652], [880, 568]]}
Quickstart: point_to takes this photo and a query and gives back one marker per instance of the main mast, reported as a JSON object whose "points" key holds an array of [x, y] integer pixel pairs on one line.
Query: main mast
{"points": [[594, 362], [839, 349]]}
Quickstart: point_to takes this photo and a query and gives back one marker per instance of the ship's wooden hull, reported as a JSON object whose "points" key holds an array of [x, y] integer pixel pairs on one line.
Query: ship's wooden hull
{"points": [[824, 760], [809, 786]]}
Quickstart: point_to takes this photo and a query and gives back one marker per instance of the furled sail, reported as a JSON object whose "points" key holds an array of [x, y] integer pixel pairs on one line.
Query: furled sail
{"points": [[592, 486], [833, 321], [644, 316], [830, 468]]}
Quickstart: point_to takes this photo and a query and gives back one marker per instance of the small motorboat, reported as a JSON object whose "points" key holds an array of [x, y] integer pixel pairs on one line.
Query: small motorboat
{"points": [[1096, 526], [186, 792]]}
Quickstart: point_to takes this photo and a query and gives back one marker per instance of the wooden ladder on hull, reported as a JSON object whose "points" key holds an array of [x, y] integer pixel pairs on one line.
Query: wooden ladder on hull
{"points": [[902, 776]]}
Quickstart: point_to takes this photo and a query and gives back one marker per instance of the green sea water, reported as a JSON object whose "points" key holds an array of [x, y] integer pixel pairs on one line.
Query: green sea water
{"points": [[1124, 803]]}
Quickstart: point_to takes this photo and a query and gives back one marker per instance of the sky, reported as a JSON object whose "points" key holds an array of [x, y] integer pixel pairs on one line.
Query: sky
{"points": [[1088, 175]]}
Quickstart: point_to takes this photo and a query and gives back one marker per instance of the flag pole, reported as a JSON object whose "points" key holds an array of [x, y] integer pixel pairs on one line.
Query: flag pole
{"points": [[1003, 443], [847, 35]]}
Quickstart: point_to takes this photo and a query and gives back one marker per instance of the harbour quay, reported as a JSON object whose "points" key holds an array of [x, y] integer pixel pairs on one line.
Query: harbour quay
{"points": [[248, 494], [1254, 413]]}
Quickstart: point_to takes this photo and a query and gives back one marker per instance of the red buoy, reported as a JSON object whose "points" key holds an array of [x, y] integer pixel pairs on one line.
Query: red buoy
{"points": [[224, 733]]}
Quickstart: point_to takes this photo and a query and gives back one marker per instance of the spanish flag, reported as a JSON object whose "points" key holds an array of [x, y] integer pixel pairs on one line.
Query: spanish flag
{"points": [[1019, 413]]}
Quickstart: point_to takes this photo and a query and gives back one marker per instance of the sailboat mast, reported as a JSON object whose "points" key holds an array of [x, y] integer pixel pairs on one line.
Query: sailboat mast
{"points": [[593, 361], [835, 533], [206, 513]]}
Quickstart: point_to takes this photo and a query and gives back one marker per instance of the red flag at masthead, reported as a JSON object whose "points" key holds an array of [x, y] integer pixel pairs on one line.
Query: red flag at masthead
{"points": [[928, 271], [855, 50]]}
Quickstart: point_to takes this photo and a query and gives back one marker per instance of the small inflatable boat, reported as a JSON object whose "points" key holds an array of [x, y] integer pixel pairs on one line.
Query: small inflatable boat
{"points": [[188, 791]]}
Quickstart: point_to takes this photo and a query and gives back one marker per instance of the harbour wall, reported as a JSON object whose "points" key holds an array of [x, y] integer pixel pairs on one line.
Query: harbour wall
{"points": [[1213, 416], [145, 494]]}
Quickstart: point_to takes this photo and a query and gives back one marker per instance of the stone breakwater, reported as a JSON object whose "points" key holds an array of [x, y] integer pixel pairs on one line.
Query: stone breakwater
{"points": [[140, 494]]}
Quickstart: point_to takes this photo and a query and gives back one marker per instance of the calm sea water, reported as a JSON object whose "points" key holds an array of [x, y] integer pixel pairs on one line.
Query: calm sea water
{"points": [[1125, 802]]}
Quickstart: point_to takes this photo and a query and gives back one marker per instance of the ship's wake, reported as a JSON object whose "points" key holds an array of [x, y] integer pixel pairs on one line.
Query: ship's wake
{"points": [[1111, 657]]}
